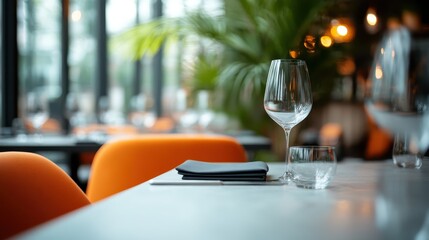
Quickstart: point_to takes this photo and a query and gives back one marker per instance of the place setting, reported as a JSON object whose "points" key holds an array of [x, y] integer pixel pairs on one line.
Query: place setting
{"points": [[288, 101]]}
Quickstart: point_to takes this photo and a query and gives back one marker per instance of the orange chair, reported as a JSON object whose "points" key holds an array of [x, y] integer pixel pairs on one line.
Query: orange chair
{"points": [[34, 190], [380, 142], [124, 163]]}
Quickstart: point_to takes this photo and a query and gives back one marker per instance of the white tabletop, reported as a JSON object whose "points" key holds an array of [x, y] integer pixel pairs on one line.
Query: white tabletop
{"points": [[365, 201]]}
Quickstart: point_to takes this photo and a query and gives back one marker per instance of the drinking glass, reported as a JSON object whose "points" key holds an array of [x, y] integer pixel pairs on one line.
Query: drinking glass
{"points": [[185, 116], [288, 98], [37, 111], [312, 166], [103, 109], [399, 89], [142, 115], [72, 110], [205, 114], [405, 152]]}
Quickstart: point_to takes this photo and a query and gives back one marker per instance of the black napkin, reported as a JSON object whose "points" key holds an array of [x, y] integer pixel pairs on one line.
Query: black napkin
{"points": [[198, 170]]}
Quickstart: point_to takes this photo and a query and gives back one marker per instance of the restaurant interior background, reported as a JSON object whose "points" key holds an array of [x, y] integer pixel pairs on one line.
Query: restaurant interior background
{"points": [[195, 65]]}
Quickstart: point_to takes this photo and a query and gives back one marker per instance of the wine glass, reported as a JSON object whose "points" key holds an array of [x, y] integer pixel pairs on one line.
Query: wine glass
{"points": [[37, 111], [72, 110], [103, 109], [288, 98], [398, 97], [185, 116], [77, 115], [142, 115]]}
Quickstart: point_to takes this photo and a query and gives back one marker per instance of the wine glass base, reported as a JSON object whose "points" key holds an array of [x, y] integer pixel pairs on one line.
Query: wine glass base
{"points": [[286, 177]]}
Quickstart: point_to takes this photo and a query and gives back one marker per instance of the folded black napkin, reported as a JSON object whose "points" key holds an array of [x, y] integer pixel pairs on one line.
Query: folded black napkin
{"points": [[198, 170]]}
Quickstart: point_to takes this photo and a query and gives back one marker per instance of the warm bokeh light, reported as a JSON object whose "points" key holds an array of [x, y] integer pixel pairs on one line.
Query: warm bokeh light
{"points": [[346, 66], [371, 19], [294, 53], [371, 23], [411, 20], [76, 15], [343, 208], [310, 43], [378, 72], [342, 30], [326, 41], [330, 134], [334, 31]]}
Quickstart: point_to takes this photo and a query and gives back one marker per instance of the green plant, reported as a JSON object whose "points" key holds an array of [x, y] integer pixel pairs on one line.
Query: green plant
{"points": [[250, 33]]}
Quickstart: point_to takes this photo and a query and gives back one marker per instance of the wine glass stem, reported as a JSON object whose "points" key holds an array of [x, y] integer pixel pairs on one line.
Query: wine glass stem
{"points": [[38, 133], [286, 175]]}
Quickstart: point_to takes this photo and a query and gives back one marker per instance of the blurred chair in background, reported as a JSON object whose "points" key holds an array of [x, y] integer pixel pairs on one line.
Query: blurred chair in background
{"points": [[124, 163], [380, 142], [34, 190]]}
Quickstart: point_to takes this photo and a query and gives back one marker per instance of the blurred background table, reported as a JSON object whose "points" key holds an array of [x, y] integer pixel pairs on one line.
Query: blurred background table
{"points": [[73, 146]]}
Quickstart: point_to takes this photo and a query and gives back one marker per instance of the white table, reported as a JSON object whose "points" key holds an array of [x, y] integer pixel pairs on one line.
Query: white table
{"points": [[365, 201]]}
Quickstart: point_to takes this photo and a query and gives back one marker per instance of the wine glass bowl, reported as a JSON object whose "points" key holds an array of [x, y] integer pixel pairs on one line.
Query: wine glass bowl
{"points": [[288, 97]]}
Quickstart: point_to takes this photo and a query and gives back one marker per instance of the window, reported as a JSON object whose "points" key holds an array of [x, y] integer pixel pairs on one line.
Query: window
{"points": [[59, 57]]}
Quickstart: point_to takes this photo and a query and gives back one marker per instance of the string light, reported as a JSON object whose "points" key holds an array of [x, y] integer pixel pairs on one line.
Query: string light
{"points": [[342, 30], [371, 23], [294, 53], [310, 43], [326, 41], [371, 18]]}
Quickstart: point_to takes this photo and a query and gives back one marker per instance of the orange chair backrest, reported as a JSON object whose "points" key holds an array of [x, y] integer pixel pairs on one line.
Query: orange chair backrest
{"points": [[34, 190], [124, 163]]}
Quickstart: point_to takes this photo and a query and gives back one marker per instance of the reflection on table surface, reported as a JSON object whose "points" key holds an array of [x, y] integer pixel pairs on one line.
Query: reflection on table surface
{"points": [[366, 200], [402, 202]]}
